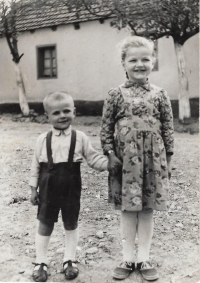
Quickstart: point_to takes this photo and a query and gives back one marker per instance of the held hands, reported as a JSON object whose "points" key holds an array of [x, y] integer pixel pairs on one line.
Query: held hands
{"points": [[113, 164], [34, 196]]}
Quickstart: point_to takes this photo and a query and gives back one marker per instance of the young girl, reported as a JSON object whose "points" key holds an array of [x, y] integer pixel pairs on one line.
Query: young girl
{"points": [[143, 144]]}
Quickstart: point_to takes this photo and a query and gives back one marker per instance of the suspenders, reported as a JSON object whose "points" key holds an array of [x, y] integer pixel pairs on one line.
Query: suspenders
{"points": [[49, 150], [71, 150]]}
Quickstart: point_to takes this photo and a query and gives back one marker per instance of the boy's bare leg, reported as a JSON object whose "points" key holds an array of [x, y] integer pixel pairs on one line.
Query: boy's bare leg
{"points": [[45, 229]]}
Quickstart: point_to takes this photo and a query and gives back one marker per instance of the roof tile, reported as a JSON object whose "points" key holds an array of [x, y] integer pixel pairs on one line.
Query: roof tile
{"points": [[31, 15]]}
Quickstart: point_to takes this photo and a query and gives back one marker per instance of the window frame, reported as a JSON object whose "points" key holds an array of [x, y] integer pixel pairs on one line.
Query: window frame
{"points": [[38, 55]]}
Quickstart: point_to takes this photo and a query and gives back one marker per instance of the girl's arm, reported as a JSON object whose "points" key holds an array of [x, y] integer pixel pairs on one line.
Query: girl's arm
{"points": [[108, 129], [166, 118], [108, 121], [167, 128]]}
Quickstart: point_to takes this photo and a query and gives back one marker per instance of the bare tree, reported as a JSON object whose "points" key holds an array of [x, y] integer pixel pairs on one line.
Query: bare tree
{"points": [[175, 18], [8, 11], [153, 19]]}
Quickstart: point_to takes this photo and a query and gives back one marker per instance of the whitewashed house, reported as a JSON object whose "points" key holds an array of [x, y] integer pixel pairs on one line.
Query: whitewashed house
{"points": [[80, 56]]}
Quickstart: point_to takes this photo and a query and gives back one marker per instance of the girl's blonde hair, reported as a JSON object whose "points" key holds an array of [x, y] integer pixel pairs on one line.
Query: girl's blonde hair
{"points": [[135, 41]]}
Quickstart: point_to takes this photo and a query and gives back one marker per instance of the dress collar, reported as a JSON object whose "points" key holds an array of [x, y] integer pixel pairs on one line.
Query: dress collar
{"points": [[129, 83], [57, 132]]}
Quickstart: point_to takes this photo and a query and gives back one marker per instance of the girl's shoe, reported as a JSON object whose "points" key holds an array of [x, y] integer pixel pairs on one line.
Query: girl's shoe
{"points": [[123, 270], [147, 271], [40, 272], [70, 269]]}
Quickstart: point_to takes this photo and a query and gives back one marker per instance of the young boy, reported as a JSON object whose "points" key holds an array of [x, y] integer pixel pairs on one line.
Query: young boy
{"points": [[56, 170]]}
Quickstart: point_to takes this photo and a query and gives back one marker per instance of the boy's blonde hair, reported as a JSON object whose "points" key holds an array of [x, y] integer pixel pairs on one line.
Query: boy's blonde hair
{"points": [[135, 41], [55, 96]]}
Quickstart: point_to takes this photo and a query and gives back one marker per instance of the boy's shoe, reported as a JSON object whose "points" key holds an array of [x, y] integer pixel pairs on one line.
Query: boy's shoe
{"points": [[147, 271], [70, 269], [123, 270], [40, 272]]}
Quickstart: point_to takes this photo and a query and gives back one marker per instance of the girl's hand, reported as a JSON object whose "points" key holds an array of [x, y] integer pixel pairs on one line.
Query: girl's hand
{"points": [[34, 196], [113, 164], [169, 171], [169, 166]]}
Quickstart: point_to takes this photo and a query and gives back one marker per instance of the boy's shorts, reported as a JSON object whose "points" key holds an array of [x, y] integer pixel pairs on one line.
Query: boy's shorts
{"points": [[60, 190], [49, 214]]}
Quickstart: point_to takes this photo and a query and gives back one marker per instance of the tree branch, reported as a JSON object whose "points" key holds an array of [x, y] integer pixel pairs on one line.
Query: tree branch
{"points": [[94, 13], [132, 27]]}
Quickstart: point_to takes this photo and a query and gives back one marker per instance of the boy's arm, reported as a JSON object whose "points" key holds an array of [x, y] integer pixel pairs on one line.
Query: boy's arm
{"points": [[94, 159], [35, 171], [33, 183]]}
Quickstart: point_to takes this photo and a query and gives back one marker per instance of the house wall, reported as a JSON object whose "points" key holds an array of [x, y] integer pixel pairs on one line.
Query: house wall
{"points": [[88, 63]]}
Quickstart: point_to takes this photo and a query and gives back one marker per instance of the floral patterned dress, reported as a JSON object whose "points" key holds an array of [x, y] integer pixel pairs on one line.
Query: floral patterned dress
{"points": [[137, 123]]}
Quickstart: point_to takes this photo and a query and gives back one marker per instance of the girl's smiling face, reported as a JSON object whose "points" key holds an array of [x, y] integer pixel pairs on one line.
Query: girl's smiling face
{"points": [[138, 63]]}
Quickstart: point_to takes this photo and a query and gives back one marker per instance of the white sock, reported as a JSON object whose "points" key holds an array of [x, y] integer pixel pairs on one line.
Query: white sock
{"points": [[128, 234], [71, 241], [145, 234], [41, 244]]}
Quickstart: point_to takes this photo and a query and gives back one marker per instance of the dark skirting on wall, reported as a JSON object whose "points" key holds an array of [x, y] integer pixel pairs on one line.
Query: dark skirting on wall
{"points": [[92, 108]]}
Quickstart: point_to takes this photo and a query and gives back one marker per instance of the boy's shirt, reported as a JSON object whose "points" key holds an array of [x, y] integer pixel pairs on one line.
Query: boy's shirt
{"points": [[61, 140]]}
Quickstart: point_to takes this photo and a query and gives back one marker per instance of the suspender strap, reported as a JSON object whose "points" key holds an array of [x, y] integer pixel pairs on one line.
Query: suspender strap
{"points": [[72, 147], [49, 150], [71, 150]]}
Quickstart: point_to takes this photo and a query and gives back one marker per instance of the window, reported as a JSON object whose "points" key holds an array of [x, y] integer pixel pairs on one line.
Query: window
{"points": [[46, 62]]}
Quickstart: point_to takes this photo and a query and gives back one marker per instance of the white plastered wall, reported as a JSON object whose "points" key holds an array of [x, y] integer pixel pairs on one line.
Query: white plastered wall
{"points": [[88, 63]]}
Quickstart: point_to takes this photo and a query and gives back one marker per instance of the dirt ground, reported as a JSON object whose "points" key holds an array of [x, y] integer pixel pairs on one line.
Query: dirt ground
{"points": [[175, 247]]}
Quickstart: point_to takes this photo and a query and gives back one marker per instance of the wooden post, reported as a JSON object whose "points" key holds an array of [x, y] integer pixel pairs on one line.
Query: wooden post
{"points": [[21, 90], [184, 103]]}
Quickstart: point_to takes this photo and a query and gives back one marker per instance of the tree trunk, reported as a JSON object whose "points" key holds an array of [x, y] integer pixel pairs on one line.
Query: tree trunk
{"points": [[21, 90], [184, 103]]}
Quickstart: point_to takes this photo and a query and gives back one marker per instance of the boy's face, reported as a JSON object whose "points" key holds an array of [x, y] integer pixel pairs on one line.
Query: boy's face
{"points": [[138, 63], [61, 113]]}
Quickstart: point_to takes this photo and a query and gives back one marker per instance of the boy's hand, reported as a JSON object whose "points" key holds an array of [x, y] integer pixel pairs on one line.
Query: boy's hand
{"points": [[113, 164], [34, 196]]}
